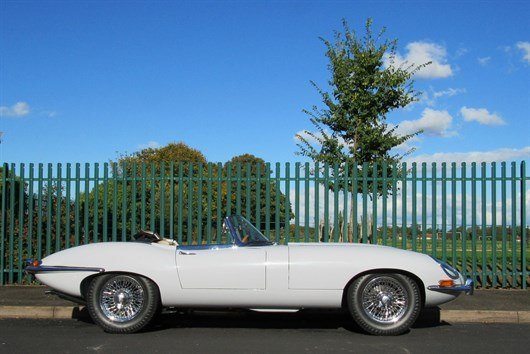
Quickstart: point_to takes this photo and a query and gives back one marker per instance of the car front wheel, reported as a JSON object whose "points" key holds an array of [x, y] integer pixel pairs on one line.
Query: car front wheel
{"points": [[384, 304], [122, 303]]}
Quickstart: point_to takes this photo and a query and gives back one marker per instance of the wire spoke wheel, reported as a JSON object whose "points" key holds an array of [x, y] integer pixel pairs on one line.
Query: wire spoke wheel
{"points": [[121, 298], [384, 299]]}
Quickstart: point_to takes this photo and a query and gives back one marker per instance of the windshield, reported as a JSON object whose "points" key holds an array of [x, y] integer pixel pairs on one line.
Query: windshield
{"points": [[245, 233]]}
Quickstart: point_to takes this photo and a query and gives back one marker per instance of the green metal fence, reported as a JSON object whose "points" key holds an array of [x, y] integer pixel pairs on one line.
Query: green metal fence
{"points": [[473, 216]]}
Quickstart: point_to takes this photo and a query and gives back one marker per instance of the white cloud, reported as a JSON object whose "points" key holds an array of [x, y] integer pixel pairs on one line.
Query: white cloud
{"points": [[525, 47], [483, 61], [432, 122], [481, 115], [149, 145], [19, 109], [503, 154], [421, 53], [449, 92]]}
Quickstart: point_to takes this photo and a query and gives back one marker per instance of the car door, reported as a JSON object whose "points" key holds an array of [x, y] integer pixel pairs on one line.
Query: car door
{"points": [[222, 267]]}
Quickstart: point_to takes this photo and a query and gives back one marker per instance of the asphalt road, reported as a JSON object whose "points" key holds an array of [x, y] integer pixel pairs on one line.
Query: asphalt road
{"points": [[257, 333]]}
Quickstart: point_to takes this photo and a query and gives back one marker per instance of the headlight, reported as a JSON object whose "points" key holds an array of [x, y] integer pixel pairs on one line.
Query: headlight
{"points": [[450, 271]]}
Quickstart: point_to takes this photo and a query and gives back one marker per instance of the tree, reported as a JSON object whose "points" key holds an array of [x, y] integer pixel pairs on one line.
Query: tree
{"points": [[352, 127], [174, 190], [254, 172]]}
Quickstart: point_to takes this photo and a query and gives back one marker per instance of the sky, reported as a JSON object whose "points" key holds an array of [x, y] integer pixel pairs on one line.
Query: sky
{"points": [[83, 81]]}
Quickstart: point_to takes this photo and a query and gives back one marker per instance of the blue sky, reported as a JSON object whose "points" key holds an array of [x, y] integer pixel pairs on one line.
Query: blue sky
{"points": [[80, 81]]}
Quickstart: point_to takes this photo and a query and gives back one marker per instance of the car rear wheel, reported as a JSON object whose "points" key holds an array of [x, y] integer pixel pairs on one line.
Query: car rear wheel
{"points": [[122, 303], [384, 304]]}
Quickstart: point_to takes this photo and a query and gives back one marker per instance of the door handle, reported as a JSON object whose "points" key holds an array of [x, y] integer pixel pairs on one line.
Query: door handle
{"points": [[182, 253]]}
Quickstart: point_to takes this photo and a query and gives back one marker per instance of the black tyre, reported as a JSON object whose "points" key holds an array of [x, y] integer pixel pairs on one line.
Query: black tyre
{"points": [[121, 303], [384, 304]]}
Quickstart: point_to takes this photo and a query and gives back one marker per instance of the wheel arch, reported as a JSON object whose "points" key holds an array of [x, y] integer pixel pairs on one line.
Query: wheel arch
{"points": [[417, 280], [86, 282]]}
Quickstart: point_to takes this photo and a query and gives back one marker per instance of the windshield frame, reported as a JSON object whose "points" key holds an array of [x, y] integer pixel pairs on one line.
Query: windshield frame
{"points": [[259, 239]]}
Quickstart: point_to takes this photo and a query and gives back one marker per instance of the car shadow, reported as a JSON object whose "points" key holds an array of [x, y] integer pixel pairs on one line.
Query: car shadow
{"points": [[238, 318]]}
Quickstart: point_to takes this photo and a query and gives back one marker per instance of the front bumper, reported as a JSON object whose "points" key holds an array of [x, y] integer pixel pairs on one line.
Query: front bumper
{"points": [[468, 287]]}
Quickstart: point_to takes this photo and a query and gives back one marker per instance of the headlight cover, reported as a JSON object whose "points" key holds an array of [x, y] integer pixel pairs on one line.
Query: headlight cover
{"points": [[448, 270]]}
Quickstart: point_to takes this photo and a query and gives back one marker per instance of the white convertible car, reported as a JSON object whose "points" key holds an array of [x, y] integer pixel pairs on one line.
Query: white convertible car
{"points": [[125, 284]]}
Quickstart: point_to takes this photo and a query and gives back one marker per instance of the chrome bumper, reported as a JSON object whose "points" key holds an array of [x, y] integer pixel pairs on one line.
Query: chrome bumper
{"points": [[467, 288], [41, 268]]}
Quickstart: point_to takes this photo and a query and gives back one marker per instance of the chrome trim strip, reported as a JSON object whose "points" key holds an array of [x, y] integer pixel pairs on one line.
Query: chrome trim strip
{"points": [[468, 288], [41, 268]]}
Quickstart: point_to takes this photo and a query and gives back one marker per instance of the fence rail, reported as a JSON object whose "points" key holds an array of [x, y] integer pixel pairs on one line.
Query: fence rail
{"points": [[473, 216]]}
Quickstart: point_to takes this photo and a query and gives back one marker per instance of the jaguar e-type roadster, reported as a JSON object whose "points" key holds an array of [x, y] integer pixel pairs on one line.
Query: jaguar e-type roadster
{"points": [[124, 284]]}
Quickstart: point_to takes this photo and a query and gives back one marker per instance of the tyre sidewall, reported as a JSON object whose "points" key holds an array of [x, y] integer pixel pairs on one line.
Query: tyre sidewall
{"points": [[368, 324], [149, 308]]}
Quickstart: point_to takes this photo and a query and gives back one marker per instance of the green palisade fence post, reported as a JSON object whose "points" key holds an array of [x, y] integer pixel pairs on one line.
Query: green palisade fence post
{"points": [[355, 193], [172, 199], [124, 203], [523, 224], [297, 201], [238, 188], [162, 199], [105, 202], [453, 214], [277, 210], [504, 222], [287, 226], [474, 220], [86, 205], [424, 207], [248, 176], [335, 202], [67, 203], [40, 177], [404, 206], [31, 200], [374, 203], [268, 200], [483, 201], [199, 203], [114, 202], [464, 221], [219, 202], [208, 206], [434, 225], [444, 211], [384, 205], [258, 196], [228, 189], [152, 199], [306, 202], [414, 206], [513, 180], [142, 198], [326, 204], [20, 222], [77, 214], [494, 224], [190, 204], [345, 203], [96, 206], [317, 201], [364, 220], [181, 202], [3, 223], [133, 199], [395, 172]]}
